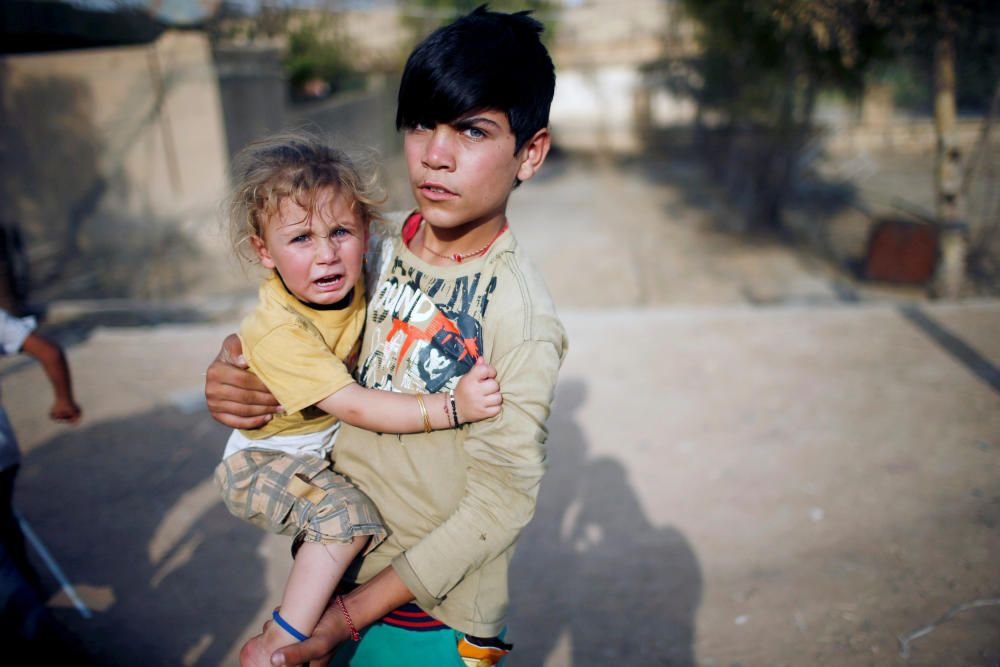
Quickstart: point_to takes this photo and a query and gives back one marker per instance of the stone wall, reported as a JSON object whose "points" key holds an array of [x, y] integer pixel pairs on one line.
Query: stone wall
{"points": [[363, 120], [114, 163], [897, 135]]}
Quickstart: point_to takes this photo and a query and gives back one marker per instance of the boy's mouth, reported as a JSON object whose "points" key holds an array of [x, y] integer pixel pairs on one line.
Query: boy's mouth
{"points": [[436, 191]]}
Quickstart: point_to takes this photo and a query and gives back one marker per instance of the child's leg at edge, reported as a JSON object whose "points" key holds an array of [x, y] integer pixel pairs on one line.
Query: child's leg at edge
{"points": [[316, 571]]}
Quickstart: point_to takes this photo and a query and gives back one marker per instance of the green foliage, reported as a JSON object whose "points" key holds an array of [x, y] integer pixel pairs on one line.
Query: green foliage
{"points": [[908, 67], [317, 53], [764, 60]]}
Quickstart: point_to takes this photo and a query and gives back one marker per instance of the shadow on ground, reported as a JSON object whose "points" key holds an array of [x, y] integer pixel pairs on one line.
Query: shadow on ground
{"points": [[129, 510], [594, 582]]}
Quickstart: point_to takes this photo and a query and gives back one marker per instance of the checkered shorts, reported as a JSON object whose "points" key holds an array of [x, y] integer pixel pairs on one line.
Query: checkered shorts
{"points": [[298, 496]]}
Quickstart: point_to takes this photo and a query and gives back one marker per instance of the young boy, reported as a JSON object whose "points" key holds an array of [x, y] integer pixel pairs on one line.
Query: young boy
{"points": [[473, 104], [305, 208], [21, 592]]}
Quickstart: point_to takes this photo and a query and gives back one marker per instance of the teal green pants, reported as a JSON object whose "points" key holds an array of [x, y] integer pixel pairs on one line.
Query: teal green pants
{"points": [[384, 645]]}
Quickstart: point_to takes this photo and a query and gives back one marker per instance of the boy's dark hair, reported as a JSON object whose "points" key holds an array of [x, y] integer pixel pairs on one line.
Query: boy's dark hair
{"points": [[484, 60]]}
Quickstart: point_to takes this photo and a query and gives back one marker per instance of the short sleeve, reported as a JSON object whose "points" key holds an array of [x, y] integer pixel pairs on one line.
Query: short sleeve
{"points": [[13, 331], [297, 367]]}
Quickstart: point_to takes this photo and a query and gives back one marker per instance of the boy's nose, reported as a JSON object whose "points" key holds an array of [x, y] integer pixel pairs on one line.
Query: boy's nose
{"points": [[439, 152]]}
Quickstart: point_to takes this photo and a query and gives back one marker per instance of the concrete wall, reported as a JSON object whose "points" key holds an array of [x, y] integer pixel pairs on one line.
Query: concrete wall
{"points": [[612, 109], [114, 162], [254, 93], [361, 120], [898, 135]]}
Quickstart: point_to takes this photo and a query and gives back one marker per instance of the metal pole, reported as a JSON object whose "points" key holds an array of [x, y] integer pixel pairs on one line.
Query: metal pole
{"points": [[53, 567]]}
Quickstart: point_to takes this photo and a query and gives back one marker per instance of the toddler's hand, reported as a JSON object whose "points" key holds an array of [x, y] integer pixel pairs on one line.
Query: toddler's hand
{"points": [[64, 410], [477, 395]]}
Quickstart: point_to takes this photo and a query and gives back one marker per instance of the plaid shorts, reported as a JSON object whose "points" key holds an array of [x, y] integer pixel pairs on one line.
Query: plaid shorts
{"points": [[298, 496]]}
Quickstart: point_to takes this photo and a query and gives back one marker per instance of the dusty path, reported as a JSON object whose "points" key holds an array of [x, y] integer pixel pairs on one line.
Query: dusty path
{"points": [[794, 483]]}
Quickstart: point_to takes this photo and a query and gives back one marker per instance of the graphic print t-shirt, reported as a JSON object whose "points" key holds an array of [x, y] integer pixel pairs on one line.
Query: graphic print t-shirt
{"points": [[425, 330]]}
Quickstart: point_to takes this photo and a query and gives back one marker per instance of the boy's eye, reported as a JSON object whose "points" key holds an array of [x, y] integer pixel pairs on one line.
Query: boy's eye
{"points": [[475, 133]]}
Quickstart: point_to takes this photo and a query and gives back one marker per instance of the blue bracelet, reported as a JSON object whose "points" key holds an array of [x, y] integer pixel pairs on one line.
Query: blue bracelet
{"points": [[287, 627]]}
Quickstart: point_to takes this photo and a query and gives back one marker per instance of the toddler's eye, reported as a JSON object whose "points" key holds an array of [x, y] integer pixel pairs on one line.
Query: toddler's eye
{"points": [[340, 232], [301, 238]]}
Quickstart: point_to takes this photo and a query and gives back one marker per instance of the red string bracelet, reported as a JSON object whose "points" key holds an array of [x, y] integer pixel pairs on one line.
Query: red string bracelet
{"points": [[347, 617]]}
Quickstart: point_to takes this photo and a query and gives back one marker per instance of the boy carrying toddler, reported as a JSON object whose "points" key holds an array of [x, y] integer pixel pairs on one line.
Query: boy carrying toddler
{"points": [[305, 208], [447, 278]]}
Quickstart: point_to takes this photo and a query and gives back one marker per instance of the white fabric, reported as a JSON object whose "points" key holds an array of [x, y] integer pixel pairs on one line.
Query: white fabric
{"points": [[316, 444], [13, 331]]}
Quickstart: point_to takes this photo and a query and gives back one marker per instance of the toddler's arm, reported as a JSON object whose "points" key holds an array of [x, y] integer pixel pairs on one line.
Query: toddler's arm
{"points": [[53, 360], [477, 397]]}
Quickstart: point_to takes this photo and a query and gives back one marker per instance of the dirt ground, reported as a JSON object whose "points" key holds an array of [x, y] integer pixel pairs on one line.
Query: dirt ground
{"points": [[754, 460]]}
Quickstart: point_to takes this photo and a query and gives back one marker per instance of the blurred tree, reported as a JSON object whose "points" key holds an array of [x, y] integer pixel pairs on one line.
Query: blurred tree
{"points": [[765, 61], [762, 66], [318, 59], [964, 36]]}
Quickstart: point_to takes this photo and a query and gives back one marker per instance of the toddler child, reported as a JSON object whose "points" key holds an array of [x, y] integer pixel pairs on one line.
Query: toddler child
{"points": [[305, 210]]}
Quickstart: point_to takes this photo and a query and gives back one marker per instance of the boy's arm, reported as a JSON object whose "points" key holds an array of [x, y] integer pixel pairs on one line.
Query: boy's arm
{"points": [[506, 463], [236, 397], [53, 360], [507, 459], [476, 397], [366, 604]]}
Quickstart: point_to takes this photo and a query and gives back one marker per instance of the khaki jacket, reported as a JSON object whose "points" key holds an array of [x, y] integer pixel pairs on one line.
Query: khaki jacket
{"points": [[455, 501]]}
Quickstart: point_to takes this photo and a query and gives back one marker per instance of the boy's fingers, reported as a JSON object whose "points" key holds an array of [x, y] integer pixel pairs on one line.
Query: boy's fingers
{"points": [[221, 373], [241, 403], [311, 651], [241, 422]]}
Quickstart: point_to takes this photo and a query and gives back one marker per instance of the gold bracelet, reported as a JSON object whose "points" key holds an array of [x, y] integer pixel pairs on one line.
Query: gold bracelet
{"points": [[423, 413]]}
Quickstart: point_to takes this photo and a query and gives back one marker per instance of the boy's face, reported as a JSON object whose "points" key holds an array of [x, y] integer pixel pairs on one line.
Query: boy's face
{"points": [[462, 172], [319, 256]]}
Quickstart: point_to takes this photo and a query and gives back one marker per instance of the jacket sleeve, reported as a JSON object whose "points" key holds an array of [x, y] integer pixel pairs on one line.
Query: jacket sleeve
{"points": [[505, 462]]}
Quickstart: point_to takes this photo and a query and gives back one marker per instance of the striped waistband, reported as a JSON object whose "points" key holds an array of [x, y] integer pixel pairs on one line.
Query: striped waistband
{"points": [[412, 617]]}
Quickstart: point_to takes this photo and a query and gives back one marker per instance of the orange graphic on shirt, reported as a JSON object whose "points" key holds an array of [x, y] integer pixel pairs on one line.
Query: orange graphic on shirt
{"points": [[438, 324]]}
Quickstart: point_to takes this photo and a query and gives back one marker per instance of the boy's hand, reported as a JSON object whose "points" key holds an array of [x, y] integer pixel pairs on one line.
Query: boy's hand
{"points": [[235, 396], [317, 650], [65, 410], [477, 395]]}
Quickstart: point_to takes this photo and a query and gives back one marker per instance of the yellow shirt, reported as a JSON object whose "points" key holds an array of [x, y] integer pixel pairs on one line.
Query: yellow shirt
{"points": [[301, 353]]}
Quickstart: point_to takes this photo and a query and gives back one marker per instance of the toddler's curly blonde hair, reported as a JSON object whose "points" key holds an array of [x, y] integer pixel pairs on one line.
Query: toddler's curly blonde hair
{"points": [[297, 165]]}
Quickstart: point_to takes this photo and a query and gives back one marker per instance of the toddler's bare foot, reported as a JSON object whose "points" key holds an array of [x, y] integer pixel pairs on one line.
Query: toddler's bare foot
{"points": [[257, 651]]}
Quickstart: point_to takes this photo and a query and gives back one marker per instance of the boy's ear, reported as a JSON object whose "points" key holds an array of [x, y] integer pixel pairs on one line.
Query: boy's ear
{"points": [[261, 249], [533, 154]]}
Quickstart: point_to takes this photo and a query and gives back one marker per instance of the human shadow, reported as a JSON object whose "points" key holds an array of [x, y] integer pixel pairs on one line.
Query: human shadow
{"points": [[129, 511], [593, 581]]}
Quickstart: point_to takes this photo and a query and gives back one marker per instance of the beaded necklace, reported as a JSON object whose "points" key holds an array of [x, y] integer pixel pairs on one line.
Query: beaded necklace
{"points": [[458, 257]]}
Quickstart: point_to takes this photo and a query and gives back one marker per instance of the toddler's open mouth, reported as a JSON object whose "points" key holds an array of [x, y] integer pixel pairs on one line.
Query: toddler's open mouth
{"points": [[327, 281]]}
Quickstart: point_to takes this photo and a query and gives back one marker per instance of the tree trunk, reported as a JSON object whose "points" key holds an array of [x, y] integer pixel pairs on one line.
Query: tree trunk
{"points": [[948, 177]]}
